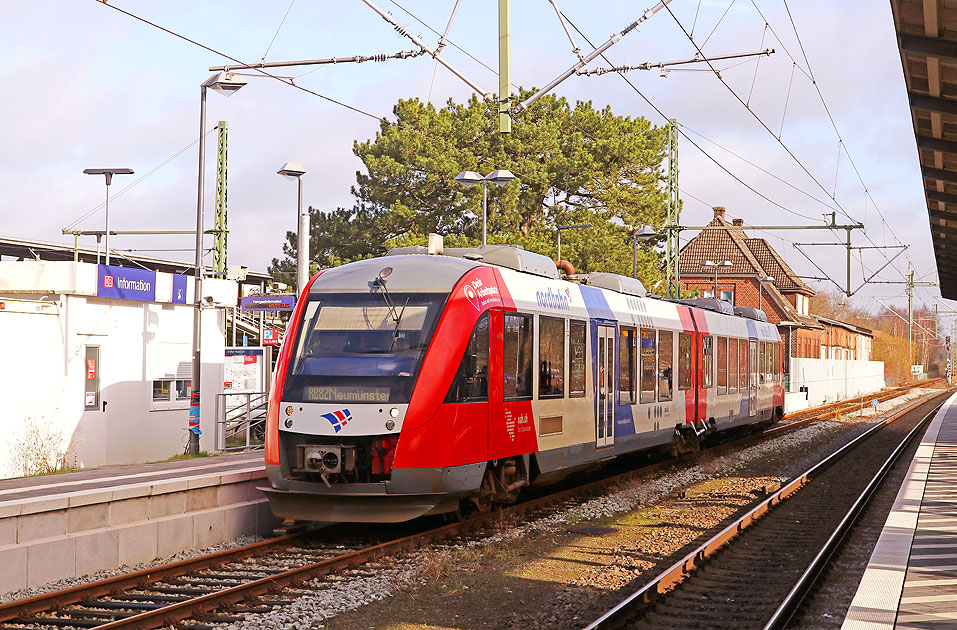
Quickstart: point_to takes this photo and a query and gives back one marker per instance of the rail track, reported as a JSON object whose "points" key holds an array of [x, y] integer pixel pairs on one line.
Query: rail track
{"points": [[224, 586], [747, 576]]}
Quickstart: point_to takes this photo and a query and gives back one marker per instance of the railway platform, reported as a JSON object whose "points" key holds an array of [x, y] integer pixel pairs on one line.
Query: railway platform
{"points": [[71, 524], [911, 578]]}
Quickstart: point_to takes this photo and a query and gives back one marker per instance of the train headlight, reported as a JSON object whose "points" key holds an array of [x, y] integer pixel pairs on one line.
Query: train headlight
{"points": [[389, 425], [288, 423], [394, 412], [289, 410]]}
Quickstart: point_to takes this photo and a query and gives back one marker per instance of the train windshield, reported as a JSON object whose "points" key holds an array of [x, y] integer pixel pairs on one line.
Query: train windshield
{"points": [[364, 347]]}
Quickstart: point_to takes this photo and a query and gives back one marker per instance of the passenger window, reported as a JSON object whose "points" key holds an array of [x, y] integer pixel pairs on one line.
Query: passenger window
{"points": [[685, 363], [707, 356], [471, 379], [551, 356], [733, 384], [666, 350], [722, 365], [743, 365], [626, 369], [518, 356], [777, 361], [649, 374], [576, 359]]}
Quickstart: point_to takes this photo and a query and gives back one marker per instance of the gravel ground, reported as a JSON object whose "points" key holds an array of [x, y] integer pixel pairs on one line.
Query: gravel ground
{"points": [[354, 589]]}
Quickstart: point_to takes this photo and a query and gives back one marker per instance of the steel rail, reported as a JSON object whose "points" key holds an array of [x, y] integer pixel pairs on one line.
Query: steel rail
{"points": [[782, 616], [682, 569], [206, 603]]}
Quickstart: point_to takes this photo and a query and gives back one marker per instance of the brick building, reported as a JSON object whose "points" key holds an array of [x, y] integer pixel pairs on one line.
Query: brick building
{"points": [[785, 301]]}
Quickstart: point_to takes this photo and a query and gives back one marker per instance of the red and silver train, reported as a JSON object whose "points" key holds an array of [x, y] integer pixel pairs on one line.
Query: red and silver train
{"points": [[417, 384]]}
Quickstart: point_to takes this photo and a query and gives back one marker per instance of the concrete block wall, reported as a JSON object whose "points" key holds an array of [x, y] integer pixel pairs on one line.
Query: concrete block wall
{"points": [[74, 534]]}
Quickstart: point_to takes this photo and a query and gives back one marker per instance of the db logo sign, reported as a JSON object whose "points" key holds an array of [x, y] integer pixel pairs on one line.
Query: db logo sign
{"points": [[107, 282]]}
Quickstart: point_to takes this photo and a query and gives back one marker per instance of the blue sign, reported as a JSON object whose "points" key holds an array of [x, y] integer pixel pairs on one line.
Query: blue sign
{"points": [[269, 303], [179, 289], [126, 283]]}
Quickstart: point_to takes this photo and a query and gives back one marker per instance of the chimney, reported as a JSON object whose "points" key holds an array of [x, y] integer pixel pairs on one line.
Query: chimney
{"points": [[738, 222], [719, 212]]}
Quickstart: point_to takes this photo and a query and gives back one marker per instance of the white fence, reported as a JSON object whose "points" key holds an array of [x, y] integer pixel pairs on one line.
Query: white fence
{"points": [[829, 380]]}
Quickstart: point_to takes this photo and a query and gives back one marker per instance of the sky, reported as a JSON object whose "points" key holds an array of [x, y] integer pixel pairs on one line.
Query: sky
{"points": [[85, 85]]}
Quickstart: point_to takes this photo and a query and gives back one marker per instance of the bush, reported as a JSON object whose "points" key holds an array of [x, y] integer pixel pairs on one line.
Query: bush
{"points": [[41, 448]]}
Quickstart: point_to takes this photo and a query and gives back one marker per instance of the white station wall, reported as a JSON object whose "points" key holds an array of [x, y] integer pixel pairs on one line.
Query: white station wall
{"points": [[830, 380], [44, 379]]}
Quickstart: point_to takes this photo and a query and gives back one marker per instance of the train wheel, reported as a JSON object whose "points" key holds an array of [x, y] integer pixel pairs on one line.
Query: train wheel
{"points": [[685, 442]]}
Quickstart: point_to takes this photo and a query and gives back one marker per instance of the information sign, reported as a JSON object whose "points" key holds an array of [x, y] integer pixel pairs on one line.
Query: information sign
{"points": [[126, 283], [269, 302]]}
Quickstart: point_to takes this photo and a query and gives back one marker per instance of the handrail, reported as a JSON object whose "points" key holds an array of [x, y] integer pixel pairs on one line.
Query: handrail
{"points": [[246, 418]]}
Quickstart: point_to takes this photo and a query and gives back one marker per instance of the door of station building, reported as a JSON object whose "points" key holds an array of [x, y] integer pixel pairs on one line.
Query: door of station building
{"points": [[753, 379], [605, 396]]}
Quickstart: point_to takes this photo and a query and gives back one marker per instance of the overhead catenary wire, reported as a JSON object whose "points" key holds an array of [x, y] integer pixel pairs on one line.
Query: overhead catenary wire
{"points": [[279, 28]]}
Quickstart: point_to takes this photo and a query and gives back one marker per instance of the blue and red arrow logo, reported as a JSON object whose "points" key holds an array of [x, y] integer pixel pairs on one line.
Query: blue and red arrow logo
{"points": [[338, 419]]}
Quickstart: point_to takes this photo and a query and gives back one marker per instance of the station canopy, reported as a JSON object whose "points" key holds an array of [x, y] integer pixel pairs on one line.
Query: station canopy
{"points": [[927, 38]]}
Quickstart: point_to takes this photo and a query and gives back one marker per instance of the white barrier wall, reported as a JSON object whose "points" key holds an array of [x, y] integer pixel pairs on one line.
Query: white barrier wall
{"points": [[830, 380]]}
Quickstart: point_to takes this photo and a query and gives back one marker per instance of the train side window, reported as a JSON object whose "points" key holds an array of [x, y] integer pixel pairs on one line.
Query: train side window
{"points": [[626, 366], [471, 379], [685, 363], [777, 361], [722, 365], [518, 356], [666, 349], [732, 365], [764, 362], [707, 357], [649, 374], [551, 357], [743, 365], [576, 359]]}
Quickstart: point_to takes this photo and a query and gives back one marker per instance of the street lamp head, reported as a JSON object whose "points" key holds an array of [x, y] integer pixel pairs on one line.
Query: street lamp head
{"points": [[225, 82], [725, 264], [292, 170], [500, 177], [768, 279], [108, 171], [469, 178], [707, 263], [646, 232]]}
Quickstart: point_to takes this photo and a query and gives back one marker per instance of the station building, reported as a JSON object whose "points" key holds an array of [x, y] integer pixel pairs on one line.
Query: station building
{"points": [[103, 367], [825, 359]]}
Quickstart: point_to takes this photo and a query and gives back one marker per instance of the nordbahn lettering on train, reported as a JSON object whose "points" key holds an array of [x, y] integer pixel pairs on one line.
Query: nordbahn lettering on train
{"points": [[416, 384]]}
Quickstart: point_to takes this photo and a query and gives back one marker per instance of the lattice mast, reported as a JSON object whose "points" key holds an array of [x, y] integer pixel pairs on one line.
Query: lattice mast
{"points": [[673, 211], [220, 230]]}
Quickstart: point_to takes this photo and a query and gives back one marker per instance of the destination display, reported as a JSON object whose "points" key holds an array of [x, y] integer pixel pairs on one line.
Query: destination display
{"points": [[322, 393]]}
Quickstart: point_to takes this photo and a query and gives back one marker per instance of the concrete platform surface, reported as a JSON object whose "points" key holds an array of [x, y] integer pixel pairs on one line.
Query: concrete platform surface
{"points": [[911, 578]]}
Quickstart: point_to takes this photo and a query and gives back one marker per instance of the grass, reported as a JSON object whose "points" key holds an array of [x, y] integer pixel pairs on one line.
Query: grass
{"points": [[176, 458], [54, 472]]}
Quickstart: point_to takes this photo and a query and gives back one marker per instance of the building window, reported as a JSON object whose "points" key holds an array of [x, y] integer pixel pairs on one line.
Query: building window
{"points": [[551, 357], [707, 356], [707, 293], [727, 295], [170, 393], [685, 362], [649, 374], [666, 349], [518, 356], [576, 359], [722, 365], [471, 379], [626, 366]]}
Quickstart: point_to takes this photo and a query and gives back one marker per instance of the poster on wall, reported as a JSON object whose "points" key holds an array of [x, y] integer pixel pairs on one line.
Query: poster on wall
{"points": [[243, 371]]}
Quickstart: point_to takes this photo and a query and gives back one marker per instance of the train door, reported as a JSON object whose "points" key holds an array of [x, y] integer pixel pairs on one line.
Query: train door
{"points": [[605, 398], [754, 366]]}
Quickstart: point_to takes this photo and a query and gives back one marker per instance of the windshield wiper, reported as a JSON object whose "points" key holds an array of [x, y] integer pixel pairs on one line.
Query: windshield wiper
{"points": [[379, 283], [398, 321]]}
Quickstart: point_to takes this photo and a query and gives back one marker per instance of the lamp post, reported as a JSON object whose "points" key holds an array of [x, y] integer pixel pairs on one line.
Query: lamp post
{"points": [[294, 170], [225, 83], [561, 228], [644, 234], [470, 178], [109, 173], [761, 282], [724, 264]]}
